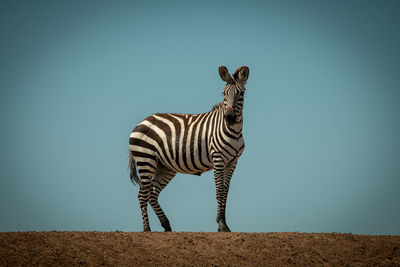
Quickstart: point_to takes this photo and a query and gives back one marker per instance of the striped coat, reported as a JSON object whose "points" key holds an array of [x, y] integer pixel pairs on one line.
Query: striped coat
{"points": [[165, 144]]}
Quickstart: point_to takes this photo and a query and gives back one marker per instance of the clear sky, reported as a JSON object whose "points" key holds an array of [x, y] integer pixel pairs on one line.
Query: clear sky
{"points": [[321, 114]]}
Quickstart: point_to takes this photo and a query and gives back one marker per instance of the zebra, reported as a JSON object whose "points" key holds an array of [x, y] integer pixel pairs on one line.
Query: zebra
{"points": [[165, 144]]}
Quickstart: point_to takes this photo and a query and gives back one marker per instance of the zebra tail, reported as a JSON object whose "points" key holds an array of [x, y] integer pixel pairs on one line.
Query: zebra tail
{"points": [[133, 172]]}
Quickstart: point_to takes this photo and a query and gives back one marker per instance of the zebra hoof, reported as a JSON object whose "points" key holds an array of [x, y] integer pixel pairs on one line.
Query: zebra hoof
{"points": [[146, 230], [166, 226], [223, 228]]}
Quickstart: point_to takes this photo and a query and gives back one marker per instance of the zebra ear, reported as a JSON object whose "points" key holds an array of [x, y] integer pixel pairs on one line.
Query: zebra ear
{"points": [[241, 74], [224, 73]]}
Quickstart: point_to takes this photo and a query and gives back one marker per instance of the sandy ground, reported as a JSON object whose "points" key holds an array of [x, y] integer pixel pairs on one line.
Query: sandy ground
{"points": [[196, 249]]}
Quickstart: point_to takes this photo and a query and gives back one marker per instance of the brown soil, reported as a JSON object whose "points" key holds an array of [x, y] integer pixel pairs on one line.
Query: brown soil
{"points": [[196, 249]]}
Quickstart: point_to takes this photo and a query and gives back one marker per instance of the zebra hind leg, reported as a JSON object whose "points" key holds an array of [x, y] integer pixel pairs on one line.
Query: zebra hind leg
{"points": [[160, 181], [144, 195]]}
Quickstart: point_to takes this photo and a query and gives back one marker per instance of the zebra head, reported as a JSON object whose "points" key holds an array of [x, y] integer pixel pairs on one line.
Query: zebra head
{"points": [[234, 93]]}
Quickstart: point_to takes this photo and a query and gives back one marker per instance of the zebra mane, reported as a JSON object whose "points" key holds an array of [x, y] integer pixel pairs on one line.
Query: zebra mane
{"points": [[217, 106]]}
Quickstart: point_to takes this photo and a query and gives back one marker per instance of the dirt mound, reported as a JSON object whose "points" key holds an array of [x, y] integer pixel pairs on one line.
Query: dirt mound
{"points": [[195, 249]]}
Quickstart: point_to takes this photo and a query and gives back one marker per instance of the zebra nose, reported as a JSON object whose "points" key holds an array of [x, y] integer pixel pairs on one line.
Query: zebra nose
{"points": [[230, 118], [230, 114]]}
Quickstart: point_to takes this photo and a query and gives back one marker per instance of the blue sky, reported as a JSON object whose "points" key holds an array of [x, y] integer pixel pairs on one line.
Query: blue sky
{"points": [[321, 118]]}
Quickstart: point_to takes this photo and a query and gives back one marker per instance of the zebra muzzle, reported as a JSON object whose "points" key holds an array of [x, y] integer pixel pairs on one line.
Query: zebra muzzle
{"points": [[230, 119]]}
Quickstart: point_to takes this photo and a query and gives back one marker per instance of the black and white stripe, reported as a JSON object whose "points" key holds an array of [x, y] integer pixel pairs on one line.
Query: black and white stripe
{"points": [[165, 144]]}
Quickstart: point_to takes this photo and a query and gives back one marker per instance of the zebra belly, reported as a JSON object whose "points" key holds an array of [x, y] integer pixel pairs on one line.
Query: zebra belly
{"points": [[155, 151], [188, 162]]}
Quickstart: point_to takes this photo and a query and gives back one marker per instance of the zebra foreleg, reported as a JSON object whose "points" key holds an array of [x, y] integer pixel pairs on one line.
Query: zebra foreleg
{"points": [[220, 188], [228, 172], [224, 227], [222, 182], [159, 183]]}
